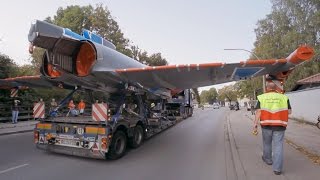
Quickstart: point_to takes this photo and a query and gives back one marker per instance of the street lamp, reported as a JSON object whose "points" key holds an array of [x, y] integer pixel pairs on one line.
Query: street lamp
{"points": [[243, 50], [263, 77]]}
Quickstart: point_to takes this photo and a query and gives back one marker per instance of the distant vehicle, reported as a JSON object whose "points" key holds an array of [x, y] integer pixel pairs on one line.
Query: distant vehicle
{"points": [[237, 106], [234, 106], [216, 106]]}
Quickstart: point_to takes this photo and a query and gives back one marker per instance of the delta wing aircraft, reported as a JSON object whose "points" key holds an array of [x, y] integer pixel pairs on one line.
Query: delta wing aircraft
{"points": [[91, 62]]}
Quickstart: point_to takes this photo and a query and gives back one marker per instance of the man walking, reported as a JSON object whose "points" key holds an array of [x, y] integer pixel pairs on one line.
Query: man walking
{"points": [[15, 111], [273, 109], [252, 106]]}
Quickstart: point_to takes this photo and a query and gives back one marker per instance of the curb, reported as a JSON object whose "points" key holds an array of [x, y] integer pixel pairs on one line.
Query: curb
{"points": [[240, 172], [15, 132], [303, 121]]}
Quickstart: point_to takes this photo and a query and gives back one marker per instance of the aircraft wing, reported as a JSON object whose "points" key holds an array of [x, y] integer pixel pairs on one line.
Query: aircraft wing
{"points": [[198, 75], [24, 81]]}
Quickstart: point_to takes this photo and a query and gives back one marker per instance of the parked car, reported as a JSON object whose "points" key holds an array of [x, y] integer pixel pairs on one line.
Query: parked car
{"points": [[234, 106], [216, 106]]}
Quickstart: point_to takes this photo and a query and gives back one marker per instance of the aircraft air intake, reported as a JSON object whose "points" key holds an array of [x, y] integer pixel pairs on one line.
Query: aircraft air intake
{"points": [[300, 55], [52, 72], [48, 68], [85, 59]]}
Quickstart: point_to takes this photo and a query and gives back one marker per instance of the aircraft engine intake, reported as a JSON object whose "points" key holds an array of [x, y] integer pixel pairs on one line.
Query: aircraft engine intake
{"points": [[85, 59], [48, 69]]}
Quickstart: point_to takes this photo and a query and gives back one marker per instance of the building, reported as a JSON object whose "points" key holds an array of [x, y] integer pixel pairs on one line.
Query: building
{"points": [[309, 82]]}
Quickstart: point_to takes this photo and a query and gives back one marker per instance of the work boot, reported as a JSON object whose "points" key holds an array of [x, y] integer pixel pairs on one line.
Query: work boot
{"points": [[277, 172]]}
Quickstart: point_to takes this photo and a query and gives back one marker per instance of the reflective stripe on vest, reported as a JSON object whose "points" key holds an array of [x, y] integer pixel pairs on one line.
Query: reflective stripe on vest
{"points": [[274, 109]]}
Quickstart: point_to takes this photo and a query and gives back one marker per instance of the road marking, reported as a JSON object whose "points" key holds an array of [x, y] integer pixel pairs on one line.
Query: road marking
{"points": [[13, 168]]}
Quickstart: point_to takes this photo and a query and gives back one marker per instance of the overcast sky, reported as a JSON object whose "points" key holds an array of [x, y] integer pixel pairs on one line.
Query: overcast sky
{"points": [[183, 31]]}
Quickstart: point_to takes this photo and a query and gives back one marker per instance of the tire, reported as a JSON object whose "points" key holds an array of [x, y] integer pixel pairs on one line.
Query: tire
{"points": [[118, 145], [137, 138], [318, 124]]}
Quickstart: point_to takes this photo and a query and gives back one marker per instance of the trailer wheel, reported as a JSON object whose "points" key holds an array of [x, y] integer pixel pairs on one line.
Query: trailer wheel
{"points": [[118, 145], [137, 138]]}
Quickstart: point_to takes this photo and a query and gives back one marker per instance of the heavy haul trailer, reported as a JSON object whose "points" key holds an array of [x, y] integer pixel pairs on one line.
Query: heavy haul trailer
{"points": [[131, 118], [180, 106]]}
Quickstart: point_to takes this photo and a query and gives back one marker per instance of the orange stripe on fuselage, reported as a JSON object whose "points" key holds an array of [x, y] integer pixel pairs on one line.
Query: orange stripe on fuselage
{"points": [[264, 61], [22, 77], [180, 66]]}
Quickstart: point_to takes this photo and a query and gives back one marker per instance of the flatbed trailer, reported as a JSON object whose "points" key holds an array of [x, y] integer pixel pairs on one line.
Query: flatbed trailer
{"points": [[108, 139]]}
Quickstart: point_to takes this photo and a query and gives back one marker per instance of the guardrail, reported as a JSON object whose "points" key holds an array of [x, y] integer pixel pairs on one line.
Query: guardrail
{"points": [[26, 112]]}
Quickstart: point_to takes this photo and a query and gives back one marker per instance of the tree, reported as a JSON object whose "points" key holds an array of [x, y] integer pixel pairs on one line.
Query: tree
{"points": [[7, 67], [290, 24], [249, 88], [209, 96], [197, 96], [228, 93], [36, 59], [155, 59]]}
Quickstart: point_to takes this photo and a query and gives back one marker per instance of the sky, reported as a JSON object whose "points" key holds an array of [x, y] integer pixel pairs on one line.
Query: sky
{"points": [[183, 31]]}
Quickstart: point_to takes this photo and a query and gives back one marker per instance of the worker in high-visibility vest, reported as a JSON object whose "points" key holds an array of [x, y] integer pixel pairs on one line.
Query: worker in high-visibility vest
{"points": [[81, 106], [72, 109], [273, 109]]}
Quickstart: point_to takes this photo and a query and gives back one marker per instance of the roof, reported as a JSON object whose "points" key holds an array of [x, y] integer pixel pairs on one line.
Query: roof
{"points": [[310, 80]]}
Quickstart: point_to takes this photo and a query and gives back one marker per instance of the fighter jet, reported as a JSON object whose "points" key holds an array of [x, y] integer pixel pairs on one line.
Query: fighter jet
{"points": [[92, 62]]}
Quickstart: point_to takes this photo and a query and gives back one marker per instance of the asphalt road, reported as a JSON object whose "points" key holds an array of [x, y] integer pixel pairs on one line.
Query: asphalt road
{"points": [[194, 149]]}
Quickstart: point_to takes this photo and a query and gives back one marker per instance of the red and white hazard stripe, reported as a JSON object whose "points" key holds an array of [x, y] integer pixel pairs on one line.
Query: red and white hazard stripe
{"points": [[14, 92], [39, 110], [100, 111]]}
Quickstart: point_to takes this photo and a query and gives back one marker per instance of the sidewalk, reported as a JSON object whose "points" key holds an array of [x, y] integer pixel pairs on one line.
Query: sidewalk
{"points": [[297, 165], [20, 127]]}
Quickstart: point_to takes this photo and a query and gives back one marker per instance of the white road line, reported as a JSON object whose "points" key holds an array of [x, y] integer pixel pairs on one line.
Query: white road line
{"points": [[13, 168]]}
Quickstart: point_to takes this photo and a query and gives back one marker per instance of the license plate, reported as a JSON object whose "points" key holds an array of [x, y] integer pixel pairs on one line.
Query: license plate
{"points": [[68, 142]]}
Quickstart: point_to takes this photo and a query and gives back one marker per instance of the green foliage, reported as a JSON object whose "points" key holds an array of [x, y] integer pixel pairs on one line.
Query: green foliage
{"points": [[143, 57], [197, 96], [228, 93], [36, 59], [209, 96], [7, 67], [73, 17], [290, 24], [249, 88]]}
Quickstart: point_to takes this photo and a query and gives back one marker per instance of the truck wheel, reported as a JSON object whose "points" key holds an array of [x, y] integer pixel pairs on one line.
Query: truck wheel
{"points": [[118, 145], [137, 138]]}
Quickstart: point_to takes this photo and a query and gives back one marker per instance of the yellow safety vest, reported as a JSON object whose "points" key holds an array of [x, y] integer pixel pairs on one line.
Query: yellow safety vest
{"points": [[274, 109]]}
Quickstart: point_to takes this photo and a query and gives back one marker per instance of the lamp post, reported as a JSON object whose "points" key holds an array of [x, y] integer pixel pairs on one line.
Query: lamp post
{"points": [[263, 77]]}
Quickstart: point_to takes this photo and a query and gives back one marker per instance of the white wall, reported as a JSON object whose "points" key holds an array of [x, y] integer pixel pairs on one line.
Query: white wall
{"points": [[241, 101], [305, 104]]}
